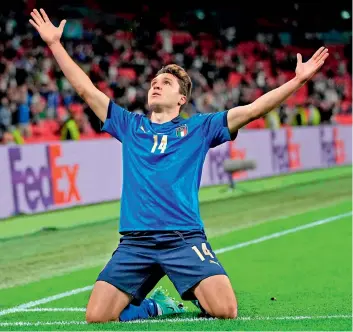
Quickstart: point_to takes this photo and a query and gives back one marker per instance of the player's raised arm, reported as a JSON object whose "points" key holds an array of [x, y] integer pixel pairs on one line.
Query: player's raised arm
{"points": [[96, 99], [240, 116]]}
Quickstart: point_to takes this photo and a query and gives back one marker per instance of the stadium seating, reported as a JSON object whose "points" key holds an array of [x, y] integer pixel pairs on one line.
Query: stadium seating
{"points": [[223, 76]]}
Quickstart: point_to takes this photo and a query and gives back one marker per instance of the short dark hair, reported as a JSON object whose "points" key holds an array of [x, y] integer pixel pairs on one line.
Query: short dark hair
{"points": [[183, 79]]}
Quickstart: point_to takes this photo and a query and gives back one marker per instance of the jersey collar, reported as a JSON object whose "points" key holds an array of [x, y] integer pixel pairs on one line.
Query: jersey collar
{"points": [[177, 119]]}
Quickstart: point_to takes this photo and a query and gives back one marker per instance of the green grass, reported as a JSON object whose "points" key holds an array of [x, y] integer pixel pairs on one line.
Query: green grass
{"points": [[27, 224], [309, 271]]}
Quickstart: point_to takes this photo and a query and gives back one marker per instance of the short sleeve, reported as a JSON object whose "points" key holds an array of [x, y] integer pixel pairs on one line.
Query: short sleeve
{"points": [[118, 121], [215, 126]]}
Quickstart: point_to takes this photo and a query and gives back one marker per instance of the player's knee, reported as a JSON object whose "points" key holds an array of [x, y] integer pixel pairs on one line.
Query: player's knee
{"points": [[95, 316], [232, 311], [227, 311]]}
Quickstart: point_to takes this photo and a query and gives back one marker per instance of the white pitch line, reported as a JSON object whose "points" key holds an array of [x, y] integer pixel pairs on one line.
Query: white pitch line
{"points": [[101, 260], [282, 233], [95, 262], [227, 230], [175, 320], [45, 300], [218, 251], [52, 310]]}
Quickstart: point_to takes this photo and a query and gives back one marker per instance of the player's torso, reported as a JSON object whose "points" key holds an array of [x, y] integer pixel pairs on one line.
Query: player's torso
{"points": [[164, 146], [162, 169]]}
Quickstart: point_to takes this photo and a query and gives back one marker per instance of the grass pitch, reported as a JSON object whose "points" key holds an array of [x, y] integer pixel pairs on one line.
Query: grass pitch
{"points": [[287, 237]]}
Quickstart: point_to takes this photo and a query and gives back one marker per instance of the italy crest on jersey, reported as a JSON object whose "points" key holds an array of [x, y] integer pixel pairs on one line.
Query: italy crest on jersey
{"points": [[182, 131]]}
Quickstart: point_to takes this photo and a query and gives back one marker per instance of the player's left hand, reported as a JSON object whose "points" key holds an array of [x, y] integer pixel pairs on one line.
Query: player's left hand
{"points": [[306, 70]]}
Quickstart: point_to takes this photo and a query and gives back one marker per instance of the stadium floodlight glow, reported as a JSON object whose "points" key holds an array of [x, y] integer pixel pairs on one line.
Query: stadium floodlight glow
{"points": [[345, 15], [200, 14]]}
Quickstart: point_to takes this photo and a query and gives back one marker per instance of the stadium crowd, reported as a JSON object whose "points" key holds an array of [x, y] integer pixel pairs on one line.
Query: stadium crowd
{"points": [[38, 103]]}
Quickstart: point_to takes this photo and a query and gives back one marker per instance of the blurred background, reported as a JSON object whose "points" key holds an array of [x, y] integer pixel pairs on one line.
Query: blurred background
{"points": [[233, 53]]}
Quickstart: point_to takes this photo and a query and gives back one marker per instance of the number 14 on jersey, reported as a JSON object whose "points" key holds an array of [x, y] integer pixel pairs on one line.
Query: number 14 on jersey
{"points": [[162, 145]]}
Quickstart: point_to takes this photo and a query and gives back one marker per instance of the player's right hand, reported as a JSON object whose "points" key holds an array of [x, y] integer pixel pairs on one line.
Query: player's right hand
{"points": [[49, 33]]}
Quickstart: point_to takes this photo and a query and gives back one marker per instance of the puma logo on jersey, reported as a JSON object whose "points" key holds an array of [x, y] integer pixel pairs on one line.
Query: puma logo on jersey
{"points": [[211, 261]]}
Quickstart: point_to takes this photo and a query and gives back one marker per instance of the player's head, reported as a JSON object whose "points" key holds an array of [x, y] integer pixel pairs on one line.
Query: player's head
{"points": [[170, 89]]}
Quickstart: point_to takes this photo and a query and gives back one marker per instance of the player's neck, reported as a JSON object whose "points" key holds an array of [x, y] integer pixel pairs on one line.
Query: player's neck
{"points": [[163, 117]]}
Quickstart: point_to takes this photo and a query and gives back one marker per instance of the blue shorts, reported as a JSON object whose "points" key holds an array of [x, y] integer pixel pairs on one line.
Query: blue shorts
{"points": [[143, 258]]}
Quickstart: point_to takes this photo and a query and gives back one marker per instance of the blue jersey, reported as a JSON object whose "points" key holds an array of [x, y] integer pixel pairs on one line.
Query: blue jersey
{"points": [[162, 167]]}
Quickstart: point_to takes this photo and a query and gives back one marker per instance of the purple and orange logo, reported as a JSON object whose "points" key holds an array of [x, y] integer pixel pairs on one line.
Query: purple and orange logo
{"points": [[332, 147], [285, 152], [42, 184]]}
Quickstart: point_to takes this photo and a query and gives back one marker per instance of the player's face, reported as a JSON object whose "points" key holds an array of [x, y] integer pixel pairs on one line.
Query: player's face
{"points": [[164, 93]]}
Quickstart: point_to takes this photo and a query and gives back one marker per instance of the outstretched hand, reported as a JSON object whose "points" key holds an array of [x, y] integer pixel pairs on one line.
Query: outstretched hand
{"points": [[49, 33], [306, 70]]}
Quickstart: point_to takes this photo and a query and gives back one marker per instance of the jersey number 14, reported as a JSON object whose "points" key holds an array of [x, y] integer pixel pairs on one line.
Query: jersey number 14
{"points": [[205, 251], [162, 145]]}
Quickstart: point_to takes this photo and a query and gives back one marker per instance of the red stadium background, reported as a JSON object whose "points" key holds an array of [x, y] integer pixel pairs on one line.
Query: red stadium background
{"points": [[234, 54]]}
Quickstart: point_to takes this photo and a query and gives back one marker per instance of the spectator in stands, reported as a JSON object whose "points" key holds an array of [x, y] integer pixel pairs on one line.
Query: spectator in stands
{"points": [[70, 127], [75, 125], [225, 71], [6, 138], [5, 114]]}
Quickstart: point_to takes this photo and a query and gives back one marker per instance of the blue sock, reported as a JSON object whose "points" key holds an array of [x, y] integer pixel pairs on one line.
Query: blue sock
{"points": [[147, 308]]}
